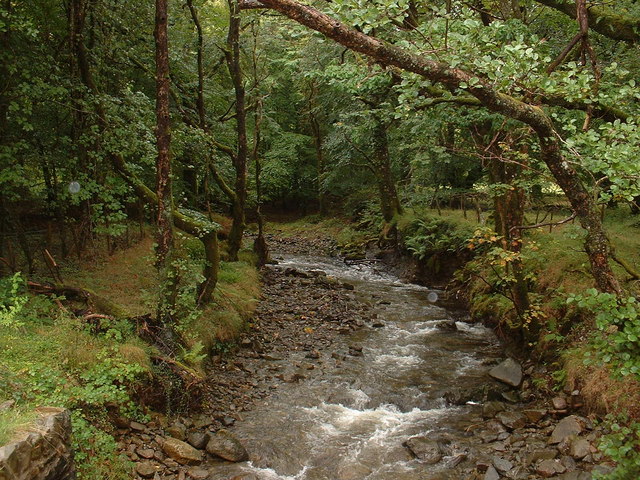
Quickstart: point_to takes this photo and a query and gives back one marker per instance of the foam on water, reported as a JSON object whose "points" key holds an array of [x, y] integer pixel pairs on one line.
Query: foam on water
{"points": [[270, 474], [383, 417], [416, 329], [473, 329], [399, 360], [467, 362]]}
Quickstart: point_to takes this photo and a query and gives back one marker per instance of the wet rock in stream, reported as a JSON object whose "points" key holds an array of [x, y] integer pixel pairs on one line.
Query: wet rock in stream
{"points": [[225, 445], [425, 449]]}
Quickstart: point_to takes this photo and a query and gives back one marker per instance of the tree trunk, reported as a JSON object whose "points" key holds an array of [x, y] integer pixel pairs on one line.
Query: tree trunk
{"points": [[317, 143], [165, 243], [509, 215], [389, 201], [210, 273], [232, 55], [78, 62], [5, 48], [260, 246]]}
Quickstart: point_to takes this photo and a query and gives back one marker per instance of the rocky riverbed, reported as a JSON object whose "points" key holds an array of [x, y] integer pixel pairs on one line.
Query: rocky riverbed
{"points": [[298, 334]]}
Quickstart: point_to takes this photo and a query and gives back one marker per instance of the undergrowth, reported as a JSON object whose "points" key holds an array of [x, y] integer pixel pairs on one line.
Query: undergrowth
{"points": [[49, 356]]}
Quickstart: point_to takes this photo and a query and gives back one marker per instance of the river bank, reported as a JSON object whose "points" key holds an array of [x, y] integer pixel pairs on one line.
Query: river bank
{"points": [[307, 363]]}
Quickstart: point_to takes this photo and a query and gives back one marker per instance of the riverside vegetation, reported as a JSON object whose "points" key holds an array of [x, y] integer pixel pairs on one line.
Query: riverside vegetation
{"points": [[148, 151]]}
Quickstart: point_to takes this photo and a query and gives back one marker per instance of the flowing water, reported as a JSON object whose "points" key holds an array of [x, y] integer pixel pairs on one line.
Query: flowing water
{"points": [[349, 418]]}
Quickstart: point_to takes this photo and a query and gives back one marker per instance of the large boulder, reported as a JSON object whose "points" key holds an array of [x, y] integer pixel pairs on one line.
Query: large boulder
{"points": [[225, 445], [181, 452], [509, 372]]}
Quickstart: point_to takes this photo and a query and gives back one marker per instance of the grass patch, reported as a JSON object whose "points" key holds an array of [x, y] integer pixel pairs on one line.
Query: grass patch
{"points": [[309, 227], [13, 422], [236, 297], [127, 278], [602, 390]]}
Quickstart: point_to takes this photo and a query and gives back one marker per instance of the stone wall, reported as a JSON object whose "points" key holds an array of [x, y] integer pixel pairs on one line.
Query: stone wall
{"points": [[43, 452]]}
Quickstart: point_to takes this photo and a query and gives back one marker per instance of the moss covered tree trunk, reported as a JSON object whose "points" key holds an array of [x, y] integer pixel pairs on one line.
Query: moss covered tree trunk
{"points": [[509, 216]]}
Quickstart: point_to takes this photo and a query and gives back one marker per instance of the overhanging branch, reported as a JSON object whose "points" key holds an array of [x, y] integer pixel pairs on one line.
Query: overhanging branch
{"points": [[602, 20]]}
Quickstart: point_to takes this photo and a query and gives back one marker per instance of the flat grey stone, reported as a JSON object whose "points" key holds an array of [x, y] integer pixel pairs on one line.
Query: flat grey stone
{"points": [[509, 372], [580, 448], [565, 428], [512, 420], [225, 445], [491, 474]]}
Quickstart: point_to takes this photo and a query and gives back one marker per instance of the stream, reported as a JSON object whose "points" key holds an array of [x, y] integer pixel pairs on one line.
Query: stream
{"points": [[355, 406]]}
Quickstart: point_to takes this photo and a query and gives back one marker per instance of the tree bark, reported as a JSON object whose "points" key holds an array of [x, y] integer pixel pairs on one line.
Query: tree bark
{"points": [[5, 49], [316, 132], [260, 246], [163, 137], [232, 55], [79, 63], [389, 202], [582, 202], [164, 241], [509, 214]]}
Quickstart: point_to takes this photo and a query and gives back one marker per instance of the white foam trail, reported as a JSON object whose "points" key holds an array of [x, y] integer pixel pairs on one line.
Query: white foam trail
{"points": [[399, 360], [360, 398], [467, 362], [343, 418], [271, 474], [418, 329], [472, 328]]}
